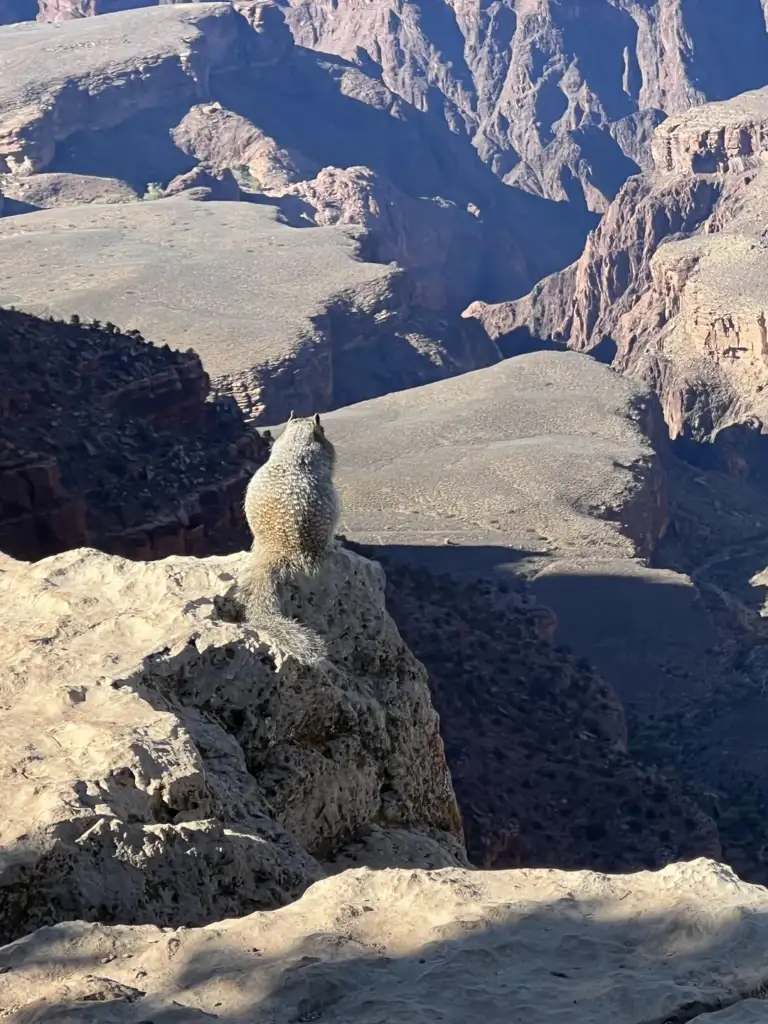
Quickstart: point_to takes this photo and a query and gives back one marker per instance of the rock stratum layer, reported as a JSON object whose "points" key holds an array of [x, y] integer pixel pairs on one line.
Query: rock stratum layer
{"points": [[110, 441], [671, 285], [408, 946], [161, 767]]}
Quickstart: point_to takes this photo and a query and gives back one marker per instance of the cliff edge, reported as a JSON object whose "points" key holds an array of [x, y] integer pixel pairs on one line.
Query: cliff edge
{"points": [[159, 767]]}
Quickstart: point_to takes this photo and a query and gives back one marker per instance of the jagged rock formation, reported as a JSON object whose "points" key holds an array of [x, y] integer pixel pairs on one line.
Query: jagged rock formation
{"points": [[686, 943], [559, 98], [686, 315], [230, 90], [283, 318], [107, 440], [161, 767]]}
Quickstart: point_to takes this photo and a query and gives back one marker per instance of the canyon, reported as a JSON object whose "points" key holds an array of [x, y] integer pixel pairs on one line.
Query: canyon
{"points": [[513, 251]]}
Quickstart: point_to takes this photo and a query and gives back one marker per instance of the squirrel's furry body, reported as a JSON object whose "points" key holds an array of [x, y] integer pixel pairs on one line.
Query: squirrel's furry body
{"points": [[292, 510]]}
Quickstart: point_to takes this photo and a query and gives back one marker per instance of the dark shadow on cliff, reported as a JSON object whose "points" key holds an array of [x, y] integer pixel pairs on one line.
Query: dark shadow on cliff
{"points": [[137, 151], [15, 207], [729, 54], [521, 341], [301, 104], [536, 738], [489, 960]]}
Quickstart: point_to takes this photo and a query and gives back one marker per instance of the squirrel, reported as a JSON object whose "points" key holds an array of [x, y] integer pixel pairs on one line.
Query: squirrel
{"points": [[292, 509]]}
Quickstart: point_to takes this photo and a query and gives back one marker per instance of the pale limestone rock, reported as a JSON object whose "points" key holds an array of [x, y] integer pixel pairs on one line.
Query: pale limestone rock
{"points": [[417, 947], [159, 766]]}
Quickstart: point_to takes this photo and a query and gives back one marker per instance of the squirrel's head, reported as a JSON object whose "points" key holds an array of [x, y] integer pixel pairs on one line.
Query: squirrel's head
{"points": [[304, 431]]}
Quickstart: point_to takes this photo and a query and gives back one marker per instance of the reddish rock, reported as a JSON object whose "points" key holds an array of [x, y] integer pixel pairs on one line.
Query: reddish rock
{"points": [[108, 441]]}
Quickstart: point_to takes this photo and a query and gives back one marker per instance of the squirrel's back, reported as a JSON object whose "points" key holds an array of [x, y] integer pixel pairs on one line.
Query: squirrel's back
{"points": [[292, 509]]}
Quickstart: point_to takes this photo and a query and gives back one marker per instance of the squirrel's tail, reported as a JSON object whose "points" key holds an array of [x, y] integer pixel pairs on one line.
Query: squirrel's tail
{"points": [[258, 590]]}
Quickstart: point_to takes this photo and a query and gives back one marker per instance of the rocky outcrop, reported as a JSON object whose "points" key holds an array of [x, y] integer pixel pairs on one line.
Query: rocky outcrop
{"points": [[283, 318], [670, 286], [109, 441], [201, 183], [688, 942], [162, 766], [559, 100], [446, 249]]}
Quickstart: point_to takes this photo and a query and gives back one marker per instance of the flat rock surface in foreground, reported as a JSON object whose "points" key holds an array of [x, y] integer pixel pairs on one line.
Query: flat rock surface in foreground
{"points": [[414, 947]]}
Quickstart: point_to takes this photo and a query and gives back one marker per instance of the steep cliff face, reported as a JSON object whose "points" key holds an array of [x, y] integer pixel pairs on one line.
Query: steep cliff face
{"points": [[670, 287], [557, 98]]}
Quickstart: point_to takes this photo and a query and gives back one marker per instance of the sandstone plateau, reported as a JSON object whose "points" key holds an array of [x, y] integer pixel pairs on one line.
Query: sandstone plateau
{"points": [[280, 315]]}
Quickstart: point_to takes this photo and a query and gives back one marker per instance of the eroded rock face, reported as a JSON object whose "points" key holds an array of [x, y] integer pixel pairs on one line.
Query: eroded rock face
{"points": [[670, 287], [171, 87], [409, 945], [160, 767], [110, 441], [557, 98]]}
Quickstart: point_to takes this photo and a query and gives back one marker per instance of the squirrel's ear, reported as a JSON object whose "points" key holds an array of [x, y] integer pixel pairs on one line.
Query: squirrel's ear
{"points": [[292, 416], [316, 418]]}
